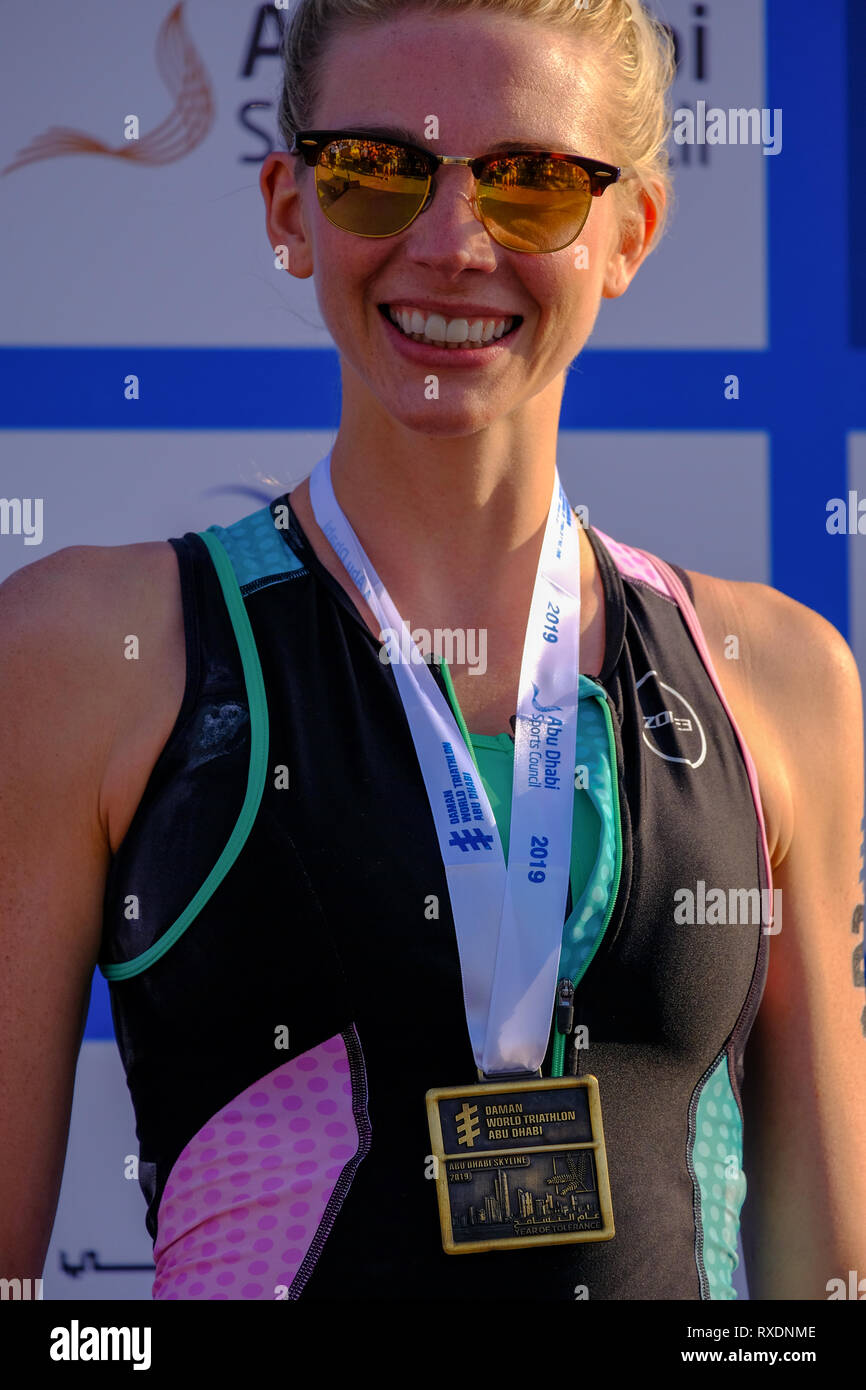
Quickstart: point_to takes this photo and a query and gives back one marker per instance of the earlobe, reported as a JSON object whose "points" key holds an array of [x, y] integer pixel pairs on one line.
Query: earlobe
{"points": [[616, 282], [624, 261], [284, 215]]}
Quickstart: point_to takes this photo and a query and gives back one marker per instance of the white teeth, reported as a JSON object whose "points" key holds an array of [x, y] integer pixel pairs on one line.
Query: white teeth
{"points": [[452, 333]]}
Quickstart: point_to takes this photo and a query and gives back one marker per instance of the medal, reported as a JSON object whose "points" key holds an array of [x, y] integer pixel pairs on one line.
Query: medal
{"points": [[520, 1163], [508, 920]]}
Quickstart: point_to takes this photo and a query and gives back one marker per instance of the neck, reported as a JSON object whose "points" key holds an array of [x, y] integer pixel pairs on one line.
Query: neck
{"points": [[448, 521]]}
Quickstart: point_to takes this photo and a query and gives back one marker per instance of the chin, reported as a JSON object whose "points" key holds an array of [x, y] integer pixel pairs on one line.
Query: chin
{"points": [[438, 421]]}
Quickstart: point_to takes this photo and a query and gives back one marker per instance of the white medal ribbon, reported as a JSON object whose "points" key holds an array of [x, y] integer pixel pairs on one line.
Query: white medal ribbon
{"points": [[508, 922]]}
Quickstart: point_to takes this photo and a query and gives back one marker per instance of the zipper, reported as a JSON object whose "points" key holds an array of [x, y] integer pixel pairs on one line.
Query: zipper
{"points": [[560, 1037], [564, 1024], [358, 1082]]}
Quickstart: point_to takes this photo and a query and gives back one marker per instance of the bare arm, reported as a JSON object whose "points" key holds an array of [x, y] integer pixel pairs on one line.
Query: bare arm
{"points": [[79, 731], [53, 859], [805, 1134]]}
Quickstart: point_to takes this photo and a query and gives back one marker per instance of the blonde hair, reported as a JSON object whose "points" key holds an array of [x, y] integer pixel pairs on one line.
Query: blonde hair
{"points": [[635, 50]]}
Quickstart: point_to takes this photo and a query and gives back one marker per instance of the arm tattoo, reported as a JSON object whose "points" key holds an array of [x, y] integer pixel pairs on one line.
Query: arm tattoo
{"points": [[857, 960], [857, 957]]}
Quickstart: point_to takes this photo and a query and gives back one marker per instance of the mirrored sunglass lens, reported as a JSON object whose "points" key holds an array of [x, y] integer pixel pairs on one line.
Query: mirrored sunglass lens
{"points": [[368, 187], [534, 203]]}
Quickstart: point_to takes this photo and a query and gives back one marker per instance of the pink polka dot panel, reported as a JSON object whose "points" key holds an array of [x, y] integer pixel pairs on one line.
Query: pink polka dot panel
{"points": [[215, 1240]]}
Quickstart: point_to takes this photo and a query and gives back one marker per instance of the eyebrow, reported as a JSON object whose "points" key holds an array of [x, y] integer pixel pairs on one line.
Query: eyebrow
{"points": [[409, 137]]}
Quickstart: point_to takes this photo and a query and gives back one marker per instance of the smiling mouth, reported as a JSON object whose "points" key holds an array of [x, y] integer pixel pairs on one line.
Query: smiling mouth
{"points": [[458, 333]]}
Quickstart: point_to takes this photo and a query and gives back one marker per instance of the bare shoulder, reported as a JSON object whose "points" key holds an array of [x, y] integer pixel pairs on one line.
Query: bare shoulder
{"points": [[69, 605], [783, 644], [80, 571], [93, 654], [793, 685]]}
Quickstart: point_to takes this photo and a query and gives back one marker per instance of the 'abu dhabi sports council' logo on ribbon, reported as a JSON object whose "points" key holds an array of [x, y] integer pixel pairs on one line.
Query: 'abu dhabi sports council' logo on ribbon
{"points": [[542, 709], [341, 550]]}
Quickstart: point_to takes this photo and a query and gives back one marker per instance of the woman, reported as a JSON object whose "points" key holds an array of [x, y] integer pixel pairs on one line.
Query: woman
{"points": [[287, 818]]}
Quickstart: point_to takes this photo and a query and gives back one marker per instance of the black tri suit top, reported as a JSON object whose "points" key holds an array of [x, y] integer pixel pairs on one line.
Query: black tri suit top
{"points": [[283, 996]]}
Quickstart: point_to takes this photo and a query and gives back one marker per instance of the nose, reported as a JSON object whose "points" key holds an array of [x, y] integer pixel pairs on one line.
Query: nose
{"points": [[443, 231], [442, 187]]}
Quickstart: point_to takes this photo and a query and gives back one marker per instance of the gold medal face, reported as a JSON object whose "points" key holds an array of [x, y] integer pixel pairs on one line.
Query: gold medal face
{"points": [[520, 1163]]}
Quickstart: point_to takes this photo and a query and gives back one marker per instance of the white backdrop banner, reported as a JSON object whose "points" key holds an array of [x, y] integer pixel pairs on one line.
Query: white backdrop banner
{"points": [[161, 240]]}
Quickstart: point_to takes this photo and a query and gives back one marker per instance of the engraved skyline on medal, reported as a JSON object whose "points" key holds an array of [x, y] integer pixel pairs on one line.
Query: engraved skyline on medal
{"points": [[520, 1163]]}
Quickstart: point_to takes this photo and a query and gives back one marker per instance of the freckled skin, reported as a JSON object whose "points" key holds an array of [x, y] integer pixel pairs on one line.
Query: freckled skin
{"points": [[451, 495], [399, 73]]}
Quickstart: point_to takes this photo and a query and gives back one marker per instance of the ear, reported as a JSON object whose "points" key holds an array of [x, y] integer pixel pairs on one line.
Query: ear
{"points": [[632, 241], [284, 211]]}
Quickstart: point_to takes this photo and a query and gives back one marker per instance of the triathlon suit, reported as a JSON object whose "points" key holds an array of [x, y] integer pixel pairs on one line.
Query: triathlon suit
{"points": [[284, 973]]}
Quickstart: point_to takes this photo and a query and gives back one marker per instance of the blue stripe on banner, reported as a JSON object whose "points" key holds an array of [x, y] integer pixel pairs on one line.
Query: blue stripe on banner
{"points": [[82, 388], [299, 388], [855, 186]]}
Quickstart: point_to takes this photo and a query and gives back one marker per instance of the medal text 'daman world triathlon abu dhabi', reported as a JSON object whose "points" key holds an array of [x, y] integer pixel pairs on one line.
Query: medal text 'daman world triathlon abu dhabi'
{"points": [[520, 1163], [508, 921]]}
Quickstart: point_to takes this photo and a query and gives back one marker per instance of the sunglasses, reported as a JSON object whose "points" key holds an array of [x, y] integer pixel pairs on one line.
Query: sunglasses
{"points": [[528, 200]]}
